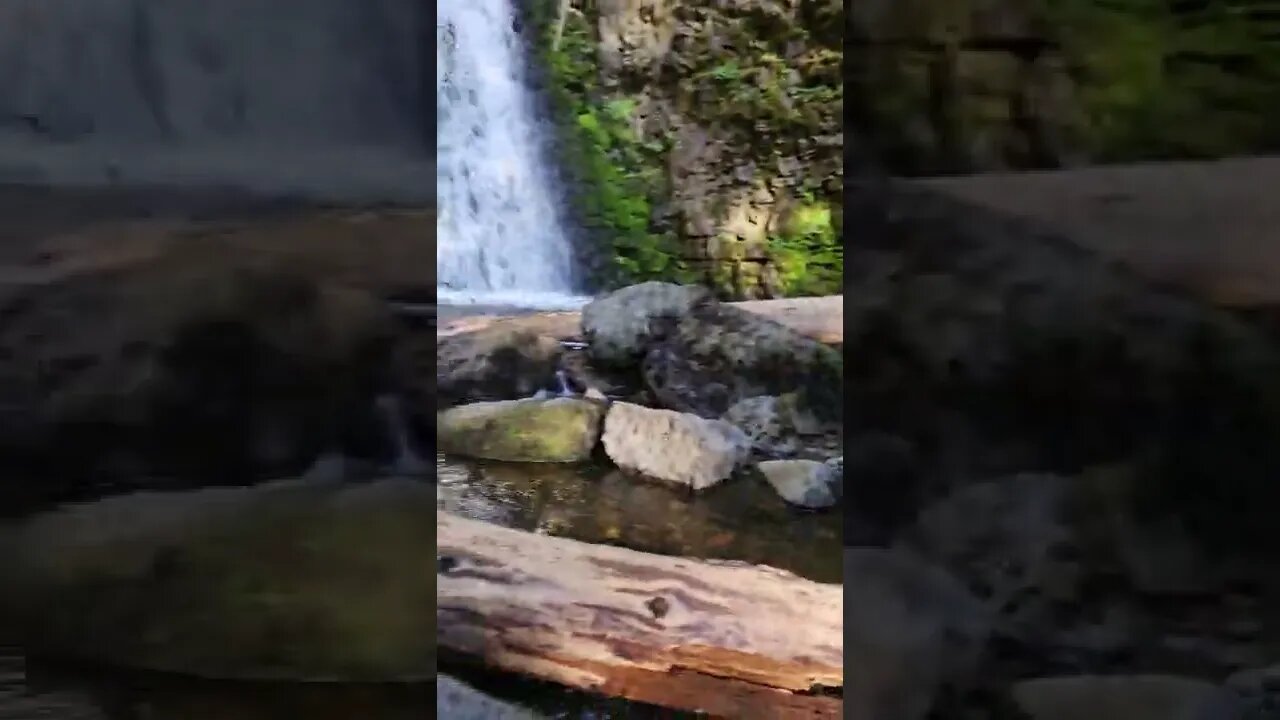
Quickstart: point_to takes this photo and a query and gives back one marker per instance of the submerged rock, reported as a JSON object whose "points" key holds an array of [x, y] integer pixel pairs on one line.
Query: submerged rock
{"points": [[675, 447], [529, 430], [807, 483], [285, 580]]}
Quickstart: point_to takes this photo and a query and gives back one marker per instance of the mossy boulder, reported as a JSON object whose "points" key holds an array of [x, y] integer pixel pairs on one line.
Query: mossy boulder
{"points": [[286, 580], [529, 430]]}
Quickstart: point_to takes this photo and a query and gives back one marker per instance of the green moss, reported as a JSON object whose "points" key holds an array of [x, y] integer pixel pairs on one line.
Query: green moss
{"points": [[618, 175], [768, 84], [808, 252], [529, 430]]}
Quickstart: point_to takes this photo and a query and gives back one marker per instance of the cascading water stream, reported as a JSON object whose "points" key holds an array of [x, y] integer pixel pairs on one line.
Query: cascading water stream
{"points": [[500, 236]]}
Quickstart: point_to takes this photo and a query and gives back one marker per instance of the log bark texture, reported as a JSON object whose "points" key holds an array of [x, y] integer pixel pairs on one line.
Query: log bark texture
{"points": [[728, 639], [821, 318]]}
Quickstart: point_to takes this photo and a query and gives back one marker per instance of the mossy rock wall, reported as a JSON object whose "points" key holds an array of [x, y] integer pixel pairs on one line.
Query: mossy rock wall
{"points": [[976, 85], [702, 141]]}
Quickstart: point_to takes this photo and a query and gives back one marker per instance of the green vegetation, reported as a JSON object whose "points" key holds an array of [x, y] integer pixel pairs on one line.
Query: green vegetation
{"points": [[763, 86], [809, 253], [618, 176]]}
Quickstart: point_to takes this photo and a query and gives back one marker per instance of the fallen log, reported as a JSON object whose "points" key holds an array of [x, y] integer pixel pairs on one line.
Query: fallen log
{"points": [[821, 318], [729, 639]]}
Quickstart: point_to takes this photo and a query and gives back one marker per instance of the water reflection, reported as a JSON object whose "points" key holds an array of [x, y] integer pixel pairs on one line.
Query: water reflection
{"points": [[742, 519]]}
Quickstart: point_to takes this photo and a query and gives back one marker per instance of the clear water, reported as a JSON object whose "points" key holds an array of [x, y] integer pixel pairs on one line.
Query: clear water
{"points": [[500, 236]]}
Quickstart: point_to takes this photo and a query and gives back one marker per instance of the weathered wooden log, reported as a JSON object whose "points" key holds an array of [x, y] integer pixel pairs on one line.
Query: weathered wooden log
{"points": [[729, 639], [821, 318]]}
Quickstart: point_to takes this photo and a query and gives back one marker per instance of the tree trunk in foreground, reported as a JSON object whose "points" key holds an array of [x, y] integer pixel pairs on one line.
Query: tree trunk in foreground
{"points": [[821, 318], [729, 639]]}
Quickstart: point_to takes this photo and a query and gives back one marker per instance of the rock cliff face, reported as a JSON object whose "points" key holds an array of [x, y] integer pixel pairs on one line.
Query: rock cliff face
{"points": [[717, 127]]}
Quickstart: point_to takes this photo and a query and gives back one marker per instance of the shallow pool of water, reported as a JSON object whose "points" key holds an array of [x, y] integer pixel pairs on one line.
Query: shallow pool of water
{"points": [[742, 519]]}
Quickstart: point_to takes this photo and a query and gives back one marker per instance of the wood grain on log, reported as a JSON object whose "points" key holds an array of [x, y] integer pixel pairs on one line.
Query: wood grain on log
{"points": [[821, 318], [729, 639]]}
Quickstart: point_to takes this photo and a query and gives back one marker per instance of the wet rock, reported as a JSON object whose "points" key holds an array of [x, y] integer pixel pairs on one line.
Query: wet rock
{"points": [[836, 466], [675, 447], [529, 430], [456, 700], [716, 354], [496, 363], [1135, 697], [768, 422], [285, 580], [912, 628], [618, 326], [807, 483]]}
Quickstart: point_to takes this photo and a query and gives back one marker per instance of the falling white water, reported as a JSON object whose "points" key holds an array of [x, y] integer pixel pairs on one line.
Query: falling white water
{"points": [[500, 236]]}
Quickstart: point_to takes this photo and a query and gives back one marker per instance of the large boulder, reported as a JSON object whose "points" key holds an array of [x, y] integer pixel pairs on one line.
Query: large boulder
{"points": [[496, 363], [701, 356], [285, 580], [618, 326], [716, 354], [528, 430], [674, 447]]}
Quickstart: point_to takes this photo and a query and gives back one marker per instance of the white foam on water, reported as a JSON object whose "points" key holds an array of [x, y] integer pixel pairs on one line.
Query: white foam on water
{"points": [[514, 299]]}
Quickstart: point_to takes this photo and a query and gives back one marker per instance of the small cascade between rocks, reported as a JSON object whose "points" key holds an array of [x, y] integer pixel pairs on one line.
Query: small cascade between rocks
{"points": [[501, 239]]}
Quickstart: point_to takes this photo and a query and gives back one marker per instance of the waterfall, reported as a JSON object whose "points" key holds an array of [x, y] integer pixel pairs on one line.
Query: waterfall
{"points": [[500, 236]]}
